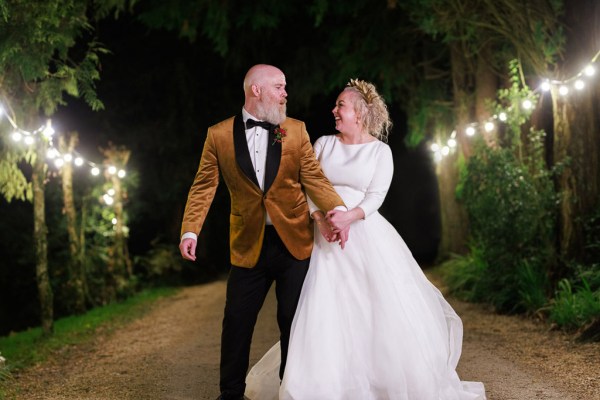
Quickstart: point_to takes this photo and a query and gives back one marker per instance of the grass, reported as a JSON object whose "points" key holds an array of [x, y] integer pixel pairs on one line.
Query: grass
{"points": [[26, 348]]}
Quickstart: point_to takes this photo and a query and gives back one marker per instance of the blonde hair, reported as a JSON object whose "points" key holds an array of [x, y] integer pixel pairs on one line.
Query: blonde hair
{"points": [[371, 109]]}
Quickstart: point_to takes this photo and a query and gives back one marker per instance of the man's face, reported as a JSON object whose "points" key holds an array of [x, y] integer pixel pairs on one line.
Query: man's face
{"points": [[273, 99]]}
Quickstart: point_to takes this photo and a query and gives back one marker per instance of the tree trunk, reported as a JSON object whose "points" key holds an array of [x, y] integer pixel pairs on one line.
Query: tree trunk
{"points": [[576, 131], [77, 279], [486, 86], [455, 226], [120, 267], [40, 238]]}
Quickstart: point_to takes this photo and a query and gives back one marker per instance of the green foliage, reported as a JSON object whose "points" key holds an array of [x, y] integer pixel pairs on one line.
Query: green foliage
{"points": [[13, 183], [574, 306], [161, 261], [591, 229], [511, 215], [463, 275], [533, 285]]}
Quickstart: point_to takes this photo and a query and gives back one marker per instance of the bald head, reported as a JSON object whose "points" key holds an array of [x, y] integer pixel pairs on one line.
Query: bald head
{"points": [[264, 92], [259, 75]]}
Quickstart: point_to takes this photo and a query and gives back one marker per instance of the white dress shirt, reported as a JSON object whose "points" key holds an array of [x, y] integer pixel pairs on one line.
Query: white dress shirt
{"points": [[258, 143]]}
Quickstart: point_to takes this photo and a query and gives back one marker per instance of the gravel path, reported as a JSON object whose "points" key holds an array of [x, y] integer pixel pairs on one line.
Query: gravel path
{"points": [[173, 354]]}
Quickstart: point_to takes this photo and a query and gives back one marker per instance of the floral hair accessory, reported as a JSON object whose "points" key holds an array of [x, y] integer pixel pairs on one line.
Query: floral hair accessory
{"points": [[367, 90], [280, 133]]}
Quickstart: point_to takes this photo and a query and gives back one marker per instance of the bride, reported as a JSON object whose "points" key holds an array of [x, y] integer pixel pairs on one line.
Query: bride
{"points": [[369, 324]]}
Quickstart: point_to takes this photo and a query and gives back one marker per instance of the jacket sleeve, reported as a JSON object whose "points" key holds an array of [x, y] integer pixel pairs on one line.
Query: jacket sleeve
{"points": [[202, 191]]}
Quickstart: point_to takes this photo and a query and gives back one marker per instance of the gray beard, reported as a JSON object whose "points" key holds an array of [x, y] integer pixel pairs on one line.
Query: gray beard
{"points": [[272, 114]]}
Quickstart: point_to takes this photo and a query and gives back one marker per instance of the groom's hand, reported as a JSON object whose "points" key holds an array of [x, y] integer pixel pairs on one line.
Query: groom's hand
{"points": [[187, 247]]}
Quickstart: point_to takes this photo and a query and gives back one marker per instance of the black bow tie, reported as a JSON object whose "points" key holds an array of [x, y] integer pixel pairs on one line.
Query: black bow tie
{"points": [[250, 123]]}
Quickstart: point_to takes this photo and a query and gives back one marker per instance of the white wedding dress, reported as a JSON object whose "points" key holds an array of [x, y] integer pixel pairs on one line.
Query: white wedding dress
{"points": [[369, 325]]}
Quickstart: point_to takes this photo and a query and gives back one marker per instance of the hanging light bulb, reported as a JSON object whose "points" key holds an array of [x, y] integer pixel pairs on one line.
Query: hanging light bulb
{"points": [[48, 131], [445, 150], [545, 86], [451, 143], [108, 199], [502, 116], [111, 192], [527, 104], [52, 153], [78, 161], [16, 136], [68, 157], [29, 140], [563, 90], [59, 162], [435, 147], [589, 70], [121, 173], [112, 170], [470, 131], [489, 126], [579, 85], [114, 221], [95, 171]]}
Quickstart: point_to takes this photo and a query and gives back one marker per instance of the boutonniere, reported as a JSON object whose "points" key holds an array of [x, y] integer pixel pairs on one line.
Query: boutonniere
{"points": [[279, 135]]}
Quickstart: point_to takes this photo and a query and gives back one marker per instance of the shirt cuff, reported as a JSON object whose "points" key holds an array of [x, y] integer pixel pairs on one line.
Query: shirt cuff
{"points": [[341, 208], [190, 235]]}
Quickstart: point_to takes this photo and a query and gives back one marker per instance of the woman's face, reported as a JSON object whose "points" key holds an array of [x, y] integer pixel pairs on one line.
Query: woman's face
{"points": [[346, 119]]}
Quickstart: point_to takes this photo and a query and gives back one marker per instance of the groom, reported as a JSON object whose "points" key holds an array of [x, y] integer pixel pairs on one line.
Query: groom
{"points": [[268, 164]]}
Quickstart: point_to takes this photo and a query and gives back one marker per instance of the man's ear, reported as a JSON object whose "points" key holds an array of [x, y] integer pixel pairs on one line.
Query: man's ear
{"points": [[256, 90]]}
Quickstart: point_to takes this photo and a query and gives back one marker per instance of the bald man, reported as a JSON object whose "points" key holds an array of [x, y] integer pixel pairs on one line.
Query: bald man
{"points": [[268, 164]]}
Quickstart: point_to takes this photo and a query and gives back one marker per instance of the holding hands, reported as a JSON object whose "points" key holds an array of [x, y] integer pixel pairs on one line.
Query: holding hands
{"points": [[335, 226]]}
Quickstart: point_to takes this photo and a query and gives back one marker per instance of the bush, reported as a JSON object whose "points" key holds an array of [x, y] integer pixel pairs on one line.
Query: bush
{"points": [[574, 307], [511, 207]]}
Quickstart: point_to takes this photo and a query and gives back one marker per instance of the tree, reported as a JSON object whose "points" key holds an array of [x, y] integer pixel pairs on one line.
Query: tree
{"points": [[40, 63], [77, 278]]}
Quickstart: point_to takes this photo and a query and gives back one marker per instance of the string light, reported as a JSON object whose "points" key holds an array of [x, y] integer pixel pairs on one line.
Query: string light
{"points": [[576, 82], [58, 159]]}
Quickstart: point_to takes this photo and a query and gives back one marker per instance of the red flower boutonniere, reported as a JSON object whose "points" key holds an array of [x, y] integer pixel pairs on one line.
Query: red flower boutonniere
{"points": [[279, 135]]}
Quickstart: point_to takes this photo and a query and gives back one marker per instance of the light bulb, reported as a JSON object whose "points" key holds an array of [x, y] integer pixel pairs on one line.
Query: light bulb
{"points": [[16, 136], [563, 90], [545, 86]]}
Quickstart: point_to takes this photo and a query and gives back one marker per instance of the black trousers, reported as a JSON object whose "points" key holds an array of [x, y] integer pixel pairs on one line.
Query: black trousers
{"points": [[247, 289]]}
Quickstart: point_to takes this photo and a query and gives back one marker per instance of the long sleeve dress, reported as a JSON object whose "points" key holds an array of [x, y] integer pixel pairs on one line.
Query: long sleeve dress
{"points": [[369, 324]]}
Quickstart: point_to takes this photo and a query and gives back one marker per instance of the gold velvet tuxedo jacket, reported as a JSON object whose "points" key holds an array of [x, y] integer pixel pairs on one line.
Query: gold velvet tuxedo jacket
{"points": [[291, 170]]}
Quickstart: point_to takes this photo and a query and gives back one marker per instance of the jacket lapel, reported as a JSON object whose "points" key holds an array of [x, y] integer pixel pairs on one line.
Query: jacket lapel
{"points": [[273, 159], [242, 155]]}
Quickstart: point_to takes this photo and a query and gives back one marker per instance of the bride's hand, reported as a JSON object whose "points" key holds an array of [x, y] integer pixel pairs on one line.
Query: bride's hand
{"points": [[341, 220]]}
